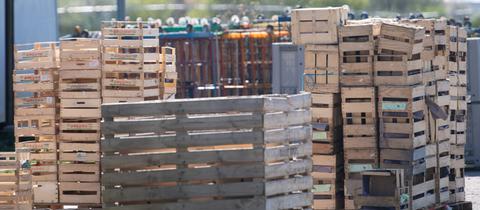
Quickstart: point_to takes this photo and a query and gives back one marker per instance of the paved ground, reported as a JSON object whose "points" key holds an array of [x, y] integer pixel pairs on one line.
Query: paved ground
{"points": [[472, 188]]}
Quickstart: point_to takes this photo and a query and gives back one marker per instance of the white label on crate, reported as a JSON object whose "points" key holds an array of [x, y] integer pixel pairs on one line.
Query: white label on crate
{"points": [[44, 77], [94, 63], [319, 135], [394, 105], [81, 156], [49, 100]]}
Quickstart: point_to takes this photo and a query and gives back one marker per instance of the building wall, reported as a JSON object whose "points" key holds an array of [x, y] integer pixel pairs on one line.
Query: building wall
{"points": [[35, 21]]}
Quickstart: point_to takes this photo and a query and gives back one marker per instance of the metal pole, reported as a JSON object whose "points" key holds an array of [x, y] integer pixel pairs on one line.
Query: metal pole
{"points": [[121, 9], [9, 27]]}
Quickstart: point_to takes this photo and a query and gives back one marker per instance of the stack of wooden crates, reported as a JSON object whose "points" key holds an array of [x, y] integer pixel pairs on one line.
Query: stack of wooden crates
{"points": [[358, 103], [16, 180], [134, 66], [458, 111], [402, 88], [317, 30], [35, 84], [79, 136], [58, 94]]}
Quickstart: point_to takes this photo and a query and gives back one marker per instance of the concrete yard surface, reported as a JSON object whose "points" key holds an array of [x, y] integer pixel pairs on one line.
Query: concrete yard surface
{"points": [[472, 187]]}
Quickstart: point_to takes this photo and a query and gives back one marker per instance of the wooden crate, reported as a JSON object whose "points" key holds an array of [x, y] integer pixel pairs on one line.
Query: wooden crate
{"points": [[249, 139], [80, 84], [357, 45], [39, 55], [355, 162], [130, 62], [79, 162], [79, 193], [168, 88], [327, 179], [16, 180], [458, 113], [80, 120], [80, 54], [429, 40], [382, 189], [401, 39], [402, 121], [397, 70], [359, 117], [322, 69], [45, 192], [326, 123], [43, 156], [317, 25]]}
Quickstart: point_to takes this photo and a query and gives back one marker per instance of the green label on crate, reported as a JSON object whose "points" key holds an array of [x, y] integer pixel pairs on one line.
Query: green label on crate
{"points": [[319, 135], [353, 168], [321, 188], [394, 105]]}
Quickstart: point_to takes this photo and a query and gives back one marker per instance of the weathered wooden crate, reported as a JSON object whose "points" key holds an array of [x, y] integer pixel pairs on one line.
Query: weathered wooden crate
{"points": [[45, 192], [39, 55], [357, 46], [322, 69], [435, 40], [43, 158], [80, 54], [326, 174], [36, 125], [402, 117], [397, 70], [359, 117], [16, 180], [79, 162], [457, 173], [80, 84], [80, 120], [326, 123], [401, 39], [130, 61], [458, 114], [168, 88], [355, 162], [383, 188], [216, 153], [317, 25], [79, 193]]}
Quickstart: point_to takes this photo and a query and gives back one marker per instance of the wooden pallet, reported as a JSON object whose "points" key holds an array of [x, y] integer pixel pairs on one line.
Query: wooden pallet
{"points": [[207, 136], [326, 124], [130, 62], [356, 44], [397, 70], [322, 69], [401, 39], [402, 111], [317, 25], [327, 178], [80, 54], [39, 55], [16, 180]]}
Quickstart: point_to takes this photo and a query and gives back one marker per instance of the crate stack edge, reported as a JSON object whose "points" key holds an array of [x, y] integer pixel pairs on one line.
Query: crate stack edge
{"points": [[79, 136], [458, 113], [35, 81], [317, 30]]}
